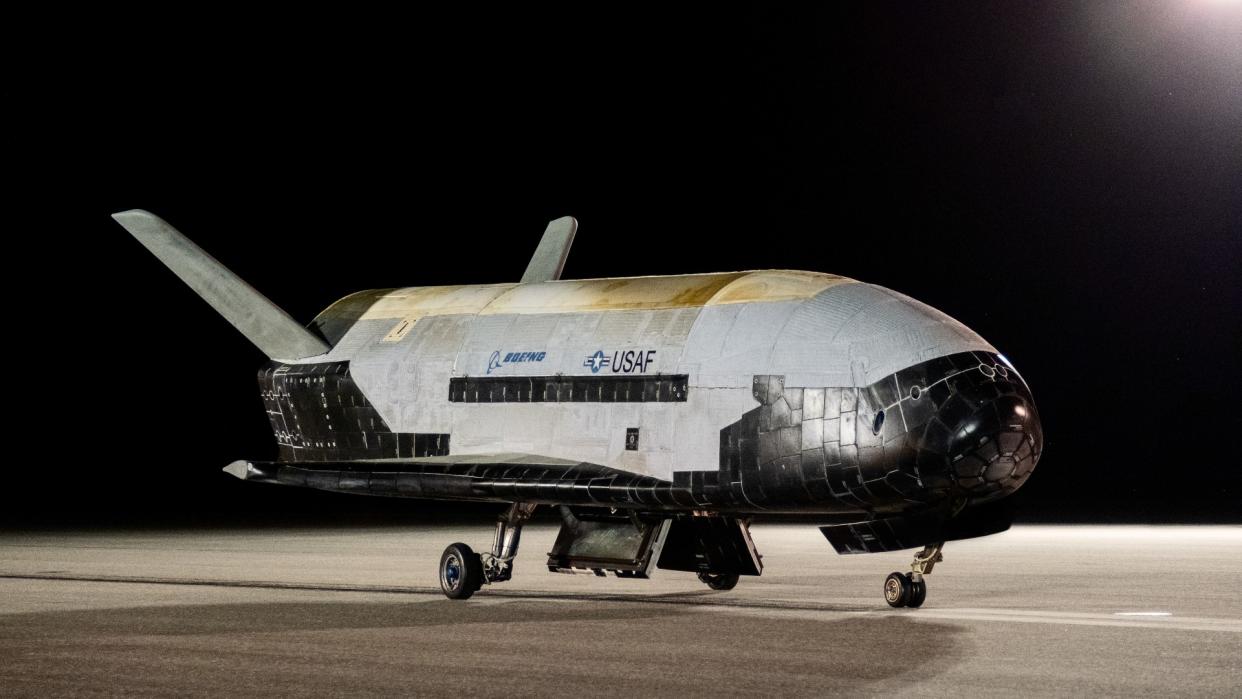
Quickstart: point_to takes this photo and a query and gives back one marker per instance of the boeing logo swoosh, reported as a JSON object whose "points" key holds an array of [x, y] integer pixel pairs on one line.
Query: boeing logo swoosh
{"points": [[497, 361]]}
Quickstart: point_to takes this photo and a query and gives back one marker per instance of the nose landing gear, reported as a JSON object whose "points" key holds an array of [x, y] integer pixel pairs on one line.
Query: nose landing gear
{"points": [[463, 572], [910, 589]]}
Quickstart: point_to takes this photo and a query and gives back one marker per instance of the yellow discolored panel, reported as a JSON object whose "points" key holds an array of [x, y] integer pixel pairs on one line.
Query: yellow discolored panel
{"points": [[625, 293], [776, 285], [585, 295], [416, 302]]}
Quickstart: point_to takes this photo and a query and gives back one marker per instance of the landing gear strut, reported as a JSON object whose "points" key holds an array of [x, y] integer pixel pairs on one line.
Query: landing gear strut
{"points": [[910, 589], [463, 572]]}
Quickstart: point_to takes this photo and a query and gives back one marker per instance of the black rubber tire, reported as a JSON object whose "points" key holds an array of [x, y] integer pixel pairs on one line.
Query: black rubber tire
{"points": [[918, 592], [719, 581], [896, 589], [461, 571]]}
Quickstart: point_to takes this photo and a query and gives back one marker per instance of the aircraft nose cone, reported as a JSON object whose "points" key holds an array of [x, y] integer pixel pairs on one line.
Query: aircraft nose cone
{"points": [[997, 440]]}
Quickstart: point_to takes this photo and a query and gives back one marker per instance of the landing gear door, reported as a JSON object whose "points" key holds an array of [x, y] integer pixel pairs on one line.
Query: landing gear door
{"points": [[589, 541], [711, 544]]}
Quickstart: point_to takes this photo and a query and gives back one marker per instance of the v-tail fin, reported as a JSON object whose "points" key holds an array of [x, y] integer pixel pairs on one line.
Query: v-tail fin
{"points": [[264, 323]]}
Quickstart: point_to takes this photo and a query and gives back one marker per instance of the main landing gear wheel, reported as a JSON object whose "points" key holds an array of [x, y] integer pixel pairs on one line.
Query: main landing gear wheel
{"points": [[461, 571], [719, 581]]}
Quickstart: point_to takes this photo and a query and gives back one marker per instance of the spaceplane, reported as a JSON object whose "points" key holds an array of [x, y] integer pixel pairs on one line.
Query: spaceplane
{"points": [[658, 415]]}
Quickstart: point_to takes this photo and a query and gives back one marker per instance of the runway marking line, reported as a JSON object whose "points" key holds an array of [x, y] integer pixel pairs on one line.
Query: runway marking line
{"points": [[714, 603]]}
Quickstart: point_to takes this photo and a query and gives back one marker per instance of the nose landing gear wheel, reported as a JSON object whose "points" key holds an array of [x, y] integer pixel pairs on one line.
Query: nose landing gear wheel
{"points": [[897, 589], [918, 592], [719, 581], [461, 572]]}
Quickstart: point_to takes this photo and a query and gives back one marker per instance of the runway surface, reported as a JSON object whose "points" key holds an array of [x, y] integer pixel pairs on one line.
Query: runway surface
{"points": [[1036, 610]]}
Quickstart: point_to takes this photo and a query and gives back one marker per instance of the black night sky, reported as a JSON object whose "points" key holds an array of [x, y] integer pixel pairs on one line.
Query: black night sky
{"points": [[1064, 179]]}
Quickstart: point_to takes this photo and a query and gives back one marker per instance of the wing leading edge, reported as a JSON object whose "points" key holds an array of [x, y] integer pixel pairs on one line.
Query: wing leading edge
{"points": [[478, 477]]}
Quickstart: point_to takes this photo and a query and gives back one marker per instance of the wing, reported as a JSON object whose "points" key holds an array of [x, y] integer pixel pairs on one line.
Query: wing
{"points": [[484, 477]]}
